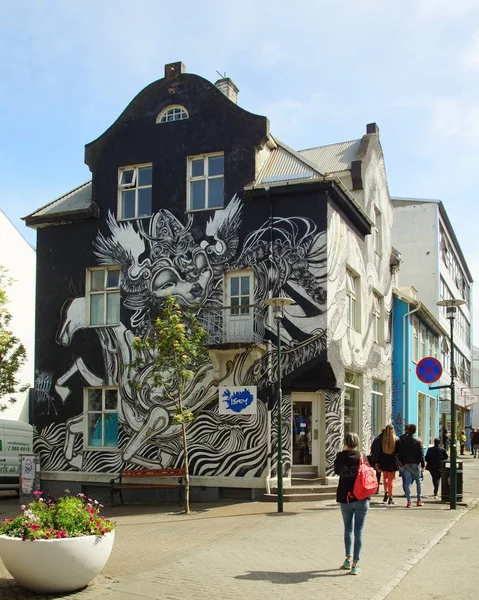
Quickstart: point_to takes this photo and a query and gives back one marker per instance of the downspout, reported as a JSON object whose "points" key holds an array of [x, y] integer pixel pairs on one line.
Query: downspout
{"points": [[270, 365], [404, 361]]}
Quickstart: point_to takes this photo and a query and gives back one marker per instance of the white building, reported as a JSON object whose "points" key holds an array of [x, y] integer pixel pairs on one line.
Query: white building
{"points": [[434, 264], [475, 385], [18, 256]]}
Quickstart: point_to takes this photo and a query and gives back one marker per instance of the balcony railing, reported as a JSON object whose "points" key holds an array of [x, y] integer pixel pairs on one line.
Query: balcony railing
{"points": [[234, 324]]}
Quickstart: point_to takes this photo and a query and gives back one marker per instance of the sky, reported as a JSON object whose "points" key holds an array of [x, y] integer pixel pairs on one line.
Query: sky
{"points": [[319, 70]]}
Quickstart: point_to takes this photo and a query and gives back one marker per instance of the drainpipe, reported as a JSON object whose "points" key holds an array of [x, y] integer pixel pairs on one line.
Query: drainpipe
{"points": [[404, 360]]}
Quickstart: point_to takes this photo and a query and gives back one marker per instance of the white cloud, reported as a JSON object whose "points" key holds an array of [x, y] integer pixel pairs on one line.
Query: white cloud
{"points": [[471, 60]]}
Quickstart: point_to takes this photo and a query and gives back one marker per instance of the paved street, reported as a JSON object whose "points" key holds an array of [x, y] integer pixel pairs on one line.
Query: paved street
{"points": [[246, 550]]}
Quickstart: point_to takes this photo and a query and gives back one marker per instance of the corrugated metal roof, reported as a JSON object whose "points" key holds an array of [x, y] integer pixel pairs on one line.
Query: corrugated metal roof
{"points": [[333, 158], [283, 165], [74, 201]]}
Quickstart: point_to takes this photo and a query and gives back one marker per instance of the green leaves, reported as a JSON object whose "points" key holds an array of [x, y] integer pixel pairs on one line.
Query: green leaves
{"points": [[12, 351], [174, 349]]}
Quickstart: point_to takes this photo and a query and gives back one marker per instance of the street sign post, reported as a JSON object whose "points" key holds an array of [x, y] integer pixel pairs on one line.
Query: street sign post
{"points": [[429, 370]]}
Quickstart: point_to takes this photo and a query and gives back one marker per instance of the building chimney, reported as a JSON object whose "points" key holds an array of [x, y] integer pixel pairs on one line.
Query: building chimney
{"points": [[174, 69], [372, 128], [228, 88]]}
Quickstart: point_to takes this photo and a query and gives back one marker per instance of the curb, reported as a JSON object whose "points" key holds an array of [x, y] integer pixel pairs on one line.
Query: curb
{"points": [[395, 581]]}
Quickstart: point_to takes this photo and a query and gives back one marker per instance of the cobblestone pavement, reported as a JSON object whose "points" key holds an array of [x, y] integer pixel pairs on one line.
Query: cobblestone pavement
{"points": [[247, 550]]}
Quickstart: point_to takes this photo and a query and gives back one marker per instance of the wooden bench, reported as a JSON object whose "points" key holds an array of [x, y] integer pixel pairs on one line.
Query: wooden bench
{"points": [[118, 484]]}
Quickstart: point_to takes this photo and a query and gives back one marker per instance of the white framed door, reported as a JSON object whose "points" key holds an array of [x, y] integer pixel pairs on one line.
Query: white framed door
{"points": [[307, 429]]}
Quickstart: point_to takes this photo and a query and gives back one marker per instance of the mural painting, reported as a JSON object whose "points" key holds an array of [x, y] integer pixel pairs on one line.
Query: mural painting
{"points": [[162, 255]]}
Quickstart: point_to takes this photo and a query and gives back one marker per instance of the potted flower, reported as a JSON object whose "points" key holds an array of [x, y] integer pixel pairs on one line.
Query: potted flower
{"points": [[56, 545]]}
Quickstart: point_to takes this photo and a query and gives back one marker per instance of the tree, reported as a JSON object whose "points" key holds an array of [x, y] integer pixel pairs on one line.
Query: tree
{"points": [[172, 350], [12, 351]]}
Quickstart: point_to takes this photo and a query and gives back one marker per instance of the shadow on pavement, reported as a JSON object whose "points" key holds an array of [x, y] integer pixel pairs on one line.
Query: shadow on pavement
{"points": [[282, 577]]}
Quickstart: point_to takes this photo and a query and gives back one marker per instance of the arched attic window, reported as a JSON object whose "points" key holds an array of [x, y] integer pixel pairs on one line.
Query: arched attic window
{"points": [[172, 113]]}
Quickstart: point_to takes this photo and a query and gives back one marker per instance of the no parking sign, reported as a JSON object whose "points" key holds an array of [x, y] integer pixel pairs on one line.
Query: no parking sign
{"points": [[429, 369]]}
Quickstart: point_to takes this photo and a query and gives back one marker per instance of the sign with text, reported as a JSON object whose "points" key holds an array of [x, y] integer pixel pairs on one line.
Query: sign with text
{"points": [[237, 400]]}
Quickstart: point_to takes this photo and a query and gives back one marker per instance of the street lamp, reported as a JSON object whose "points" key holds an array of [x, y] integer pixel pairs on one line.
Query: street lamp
{"points": [[451, 308], [278, 304]]}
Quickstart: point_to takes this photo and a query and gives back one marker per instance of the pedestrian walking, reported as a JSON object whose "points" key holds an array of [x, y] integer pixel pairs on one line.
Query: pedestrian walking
{"points": [[401, 470], [353, 511], [445, 438], [475, 443], [462, 442], [412, 460], [387, 462], [374, 456], [471, 436], [435, 456]]}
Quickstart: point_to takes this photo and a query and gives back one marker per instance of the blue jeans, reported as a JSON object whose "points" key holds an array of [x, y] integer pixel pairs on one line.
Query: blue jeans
{"points": [[356, 511], [413, 473]]}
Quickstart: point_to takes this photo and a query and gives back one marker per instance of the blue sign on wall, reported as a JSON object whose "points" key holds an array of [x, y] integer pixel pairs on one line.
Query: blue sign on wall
{"points": [[237, 400], [429, 369]]}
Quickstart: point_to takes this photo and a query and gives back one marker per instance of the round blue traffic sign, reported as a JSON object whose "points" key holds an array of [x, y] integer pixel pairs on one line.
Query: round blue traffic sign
{"points": [[429, 369]]}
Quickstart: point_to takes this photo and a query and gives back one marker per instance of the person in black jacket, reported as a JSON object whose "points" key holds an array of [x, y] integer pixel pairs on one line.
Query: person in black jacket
{"points": [[434, 457], [353, 511], [387, 462], [373, 457], [412, 459]]}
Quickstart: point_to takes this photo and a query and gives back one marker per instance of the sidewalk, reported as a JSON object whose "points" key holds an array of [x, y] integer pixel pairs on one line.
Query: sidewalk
{"points": [[247, 550]]}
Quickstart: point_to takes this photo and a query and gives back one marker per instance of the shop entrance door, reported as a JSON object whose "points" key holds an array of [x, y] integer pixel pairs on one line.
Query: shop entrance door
{"points": [[305, 429]]}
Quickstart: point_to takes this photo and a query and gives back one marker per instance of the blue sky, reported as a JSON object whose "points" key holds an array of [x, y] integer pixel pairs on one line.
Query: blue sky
{"points": [[319, 70]]}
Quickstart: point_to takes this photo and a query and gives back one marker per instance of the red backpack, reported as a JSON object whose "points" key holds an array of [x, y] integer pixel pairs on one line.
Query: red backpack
{"points": [[366, 483]]}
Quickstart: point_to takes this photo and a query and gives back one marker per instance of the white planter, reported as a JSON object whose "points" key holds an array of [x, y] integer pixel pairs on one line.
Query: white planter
{"points": [[59, 565]]}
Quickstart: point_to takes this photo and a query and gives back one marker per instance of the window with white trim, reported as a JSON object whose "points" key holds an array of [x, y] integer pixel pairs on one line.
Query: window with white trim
{"points": [[103, 296], [206, 181], [415, 340], [101, 408], [433, 345], [432, 419], [352, 302], [352, 406], [172, 113], [239, 324], [377, 406], [377, 316], [135, 191], [423, 342], [421, 417], [378, 232]]}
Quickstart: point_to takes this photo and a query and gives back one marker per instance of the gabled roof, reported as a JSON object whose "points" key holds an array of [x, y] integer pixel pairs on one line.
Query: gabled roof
{"points": [[333, 158], [285, 164], [76, 202]]}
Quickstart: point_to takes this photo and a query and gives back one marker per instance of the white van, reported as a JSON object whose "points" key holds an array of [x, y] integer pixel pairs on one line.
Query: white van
{"points": [[16, 437]]}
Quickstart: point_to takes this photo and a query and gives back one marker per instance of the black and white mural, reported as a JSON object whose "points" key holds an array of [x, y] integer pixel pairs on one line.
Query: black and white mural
{"points": [[164, 254]]}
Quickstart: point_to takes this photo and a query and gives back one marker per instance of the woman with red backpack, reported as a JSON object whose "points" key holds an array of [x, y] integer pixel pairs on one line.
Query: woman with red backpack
{"points": [[357, 482]]}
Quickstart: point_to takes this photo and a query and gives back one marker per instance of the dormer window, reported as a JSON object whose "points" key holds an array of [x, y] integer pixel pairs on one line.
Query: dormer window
{"points": [[172, 113]]}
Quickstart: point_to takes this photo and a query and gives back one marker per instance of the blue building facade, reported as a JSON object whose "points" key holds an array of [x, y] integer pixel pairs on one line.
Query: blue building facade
{"points": [[416, 334]]}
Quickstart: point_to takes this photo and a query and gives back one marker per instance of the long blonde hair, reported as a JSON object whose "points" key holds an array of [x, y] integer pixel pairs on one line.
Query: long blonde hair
{"points": [[389, 440]]}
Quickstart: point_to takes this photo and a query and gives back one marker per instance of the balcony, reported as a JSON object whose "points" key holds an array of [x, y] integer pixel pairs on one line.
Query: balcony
{"points": [[234, 326]]}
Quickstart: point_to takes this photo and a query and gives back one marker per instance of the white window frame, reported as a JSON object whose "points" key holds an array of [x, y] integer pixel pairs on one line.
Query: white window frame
{"points": [[378, 232], [377, 396], [433, 345], [415, 340], [103, 412], [205, 177], [172, 113], [422, 401], [353, 384], [105, 292], [238, 322], [132, 186], [353, 314], [377, 316], [423, 342]]}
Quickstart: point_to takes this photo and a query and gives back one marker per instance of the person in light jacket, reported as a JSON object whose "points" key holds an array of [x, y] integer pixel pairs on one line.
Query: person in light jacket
{"points": [[353, 511]]}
